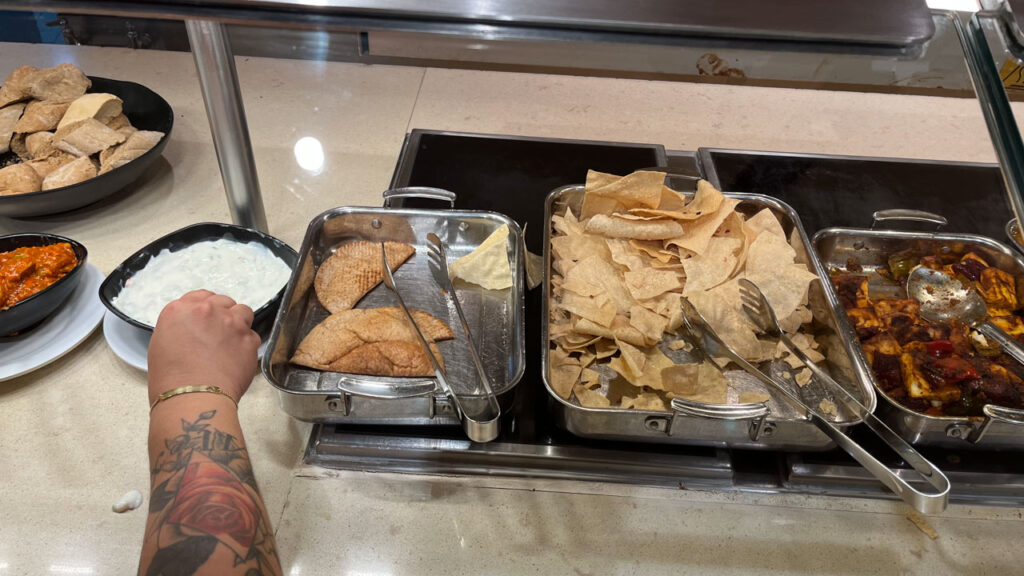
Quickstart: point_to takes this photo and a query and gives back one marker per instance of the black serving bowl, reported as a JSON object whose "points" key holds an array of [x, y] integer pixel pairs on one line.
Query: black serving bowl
{"points": [[264, 316], [37, 307], [146, 110]]}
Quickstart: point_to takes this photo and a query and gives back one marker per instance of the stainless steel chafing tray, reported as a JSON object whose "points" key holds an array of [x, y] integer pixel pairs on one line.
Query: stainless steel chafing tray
{"points": [[777, 425], [496, 319], [1001, 428]]}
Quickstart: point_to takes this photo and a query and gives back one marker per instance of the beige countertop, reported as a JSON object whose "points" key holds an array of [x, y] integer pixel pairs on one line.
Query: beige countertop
{"points": [[74, 433]]}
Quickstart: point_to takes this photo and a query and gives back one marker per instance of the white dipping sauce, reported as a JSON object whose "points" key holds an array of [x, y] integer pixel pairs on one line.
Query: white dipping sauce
{"points": [[249, 273]]}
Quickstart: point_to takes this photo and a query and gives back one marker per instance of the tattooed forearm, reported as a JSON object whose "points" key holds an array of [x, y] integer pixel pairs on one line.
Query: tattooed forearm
{"points": [[205, 507]]}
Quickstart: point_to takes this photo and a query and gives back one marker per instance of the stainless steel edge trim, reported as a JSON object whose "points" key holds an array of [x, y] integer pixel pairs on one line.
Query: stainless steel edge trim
{"points": [[909, 26]]}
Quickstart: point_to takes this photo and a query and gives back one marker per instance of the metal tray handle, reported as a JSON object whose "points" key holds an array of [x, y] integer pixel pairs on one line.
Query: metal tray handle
{"points": [[425, 192], [996, 414], [386, 390], [905, 215], [756, 412]]}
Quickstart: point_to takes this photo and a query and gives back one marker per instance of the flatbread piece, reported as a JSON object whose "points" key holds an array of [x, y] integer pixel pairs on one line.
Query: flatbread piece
{"points": [[374, 341], [353, 270]]}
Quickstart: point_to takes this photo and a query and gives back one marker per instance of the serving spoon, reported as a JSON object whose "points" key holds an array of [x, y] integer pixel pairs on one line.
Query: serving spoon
{"points": [[944, 298]]}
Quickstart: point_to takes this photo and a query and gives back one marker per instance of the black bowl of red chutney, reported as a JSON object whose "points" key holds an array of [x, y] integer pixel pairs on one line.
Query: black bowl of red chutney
{"points": [[38, 272]]}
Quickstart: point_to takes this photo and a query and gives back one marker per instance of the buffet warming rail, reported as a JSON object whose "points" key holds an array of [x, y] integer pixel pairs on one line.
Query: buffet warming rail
{"points": [[841, 22], [848, 26]]}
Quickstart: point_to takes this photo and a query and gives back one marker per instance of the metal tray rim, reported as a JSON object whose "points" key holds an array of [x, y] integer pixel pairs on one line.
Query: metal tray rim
{"points": [[265, 363], [812, 256], [941, 236]]}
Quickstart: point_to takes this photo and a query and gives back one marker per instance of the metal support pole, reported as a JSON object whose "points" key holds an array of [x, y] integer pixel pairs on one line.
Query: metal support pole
{"points": [[219, 83], [995, 107]]}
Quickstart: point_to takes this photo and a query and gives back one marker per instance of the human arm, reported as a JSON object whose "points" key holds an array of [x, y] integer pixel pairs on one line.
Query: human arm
{"points": [[206, 515]]}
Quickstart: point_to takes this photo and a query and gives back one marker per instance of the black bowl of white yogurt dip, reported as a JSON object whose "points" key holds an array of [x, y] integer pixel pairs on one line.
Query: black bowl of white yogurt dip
{"points": [[223, 258]]}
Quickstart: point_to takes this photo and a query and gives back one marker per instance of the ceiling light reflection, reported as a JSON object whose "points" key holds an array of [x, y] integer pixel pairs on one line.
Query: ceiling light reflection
{"points": [[309, 153]]}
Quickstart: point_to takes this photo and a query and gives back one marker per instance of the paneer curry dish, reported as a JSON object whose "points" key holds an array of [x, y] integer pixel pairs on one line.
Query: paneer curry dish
{"points": [[26, 271], [939, 369]]}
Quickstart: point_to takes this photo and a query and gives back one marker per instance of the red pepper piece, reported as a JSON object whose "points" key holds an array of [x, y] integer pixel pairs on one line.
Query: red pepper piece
{"points": [[940, 348]]}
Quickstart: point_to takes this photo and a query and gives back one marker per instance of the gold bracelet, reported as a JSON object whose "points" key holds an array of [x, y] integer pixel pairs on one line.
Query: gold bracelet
{"points": [[188, 390]]}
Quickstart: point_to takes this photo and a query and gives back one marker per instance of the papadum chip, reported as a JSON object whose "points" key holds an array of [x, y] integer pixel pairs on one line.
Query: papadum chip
{"points": [[618, 227], [754, 397], [651, 325], [573, 341], [715, 266], [619, 330], [624, 254], [770, 266], [697, 382], [803, 377], [806, 344], [655, 249], [563, 372], [645, 401], [651, 376], [668, 305], [722, 308], [792, 323], [599, 309], [697, 233], [487, 265], [595, 271], [763, 221], [705, 201], [680, 345], [605, 348], [590, 378], [634, 360], [827, 406], [649, 283], [606, 195], [589, 398]]}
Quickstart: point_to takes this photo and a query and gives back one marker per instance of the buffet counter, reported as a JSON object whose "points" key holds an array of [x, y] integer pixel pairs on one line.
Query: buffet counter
{"points": [[74, 432]]}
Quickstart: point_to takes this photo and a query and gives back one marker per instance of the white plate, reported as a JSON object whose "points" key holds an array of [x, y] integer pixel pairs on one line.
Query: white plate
{"points": [[131, 343], [68, 327]]}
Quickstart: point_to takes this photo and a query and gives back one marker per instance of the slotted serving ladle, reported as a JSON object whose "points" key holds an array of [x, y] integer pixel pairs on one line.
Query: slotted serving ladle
{"points": [[944, 298]]}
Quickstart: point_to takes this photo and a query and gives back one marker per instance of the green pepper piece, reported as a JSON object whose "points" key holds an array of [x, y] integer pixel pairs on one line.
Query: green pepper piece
{"points": [[901, 263], [990, 349]]}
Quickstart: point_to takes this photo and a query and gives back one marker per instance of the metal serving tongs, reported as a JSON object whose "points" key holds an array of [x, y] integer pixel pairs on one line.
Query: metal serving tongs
{"points": [[926, 503], [482, 429], [443, 276]]}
